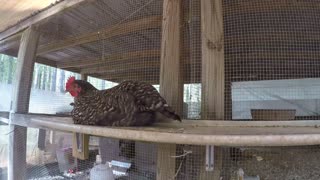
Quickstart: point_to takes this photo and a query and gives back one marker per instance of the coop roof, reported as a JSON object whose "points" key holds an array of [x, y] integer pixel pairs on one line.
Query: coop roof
{"points": [[15, 11], [83, 36]]}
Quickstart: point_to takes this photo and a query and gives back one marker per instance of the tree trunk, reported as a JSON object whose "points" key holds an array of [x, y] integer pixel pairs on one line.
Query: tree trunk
{"points": [[61, 81], [53, 79], [35, 76], [44, 76], [10, 73]]}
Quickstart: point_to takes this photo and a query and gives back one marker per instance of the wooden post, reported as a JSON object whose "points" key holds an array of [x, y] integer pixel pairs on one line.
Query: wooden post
{"points": [[20, 103], [80, 142], [213, 77], [171, 85]]}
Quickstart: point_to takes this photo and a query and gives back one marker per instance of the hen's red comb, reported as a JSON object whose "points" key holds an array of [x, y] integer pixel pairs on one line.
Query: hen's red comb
{"points": [[69, 82]]}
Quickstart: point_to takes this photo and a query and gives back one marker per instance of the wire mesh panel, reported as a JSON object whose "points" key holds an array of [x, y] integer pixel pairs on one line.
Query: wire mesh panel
{"points": [[49, 156], [237, 60], [271, 53]]}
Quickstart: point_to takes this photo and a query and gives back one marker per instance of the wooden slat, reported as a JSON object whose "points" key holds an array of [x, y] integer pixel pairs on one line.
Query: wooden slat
{"points": [[119, 77], [165, 163], [171, 86], [110, 59], [46, 62], [212, 60], [20, 103], [212, 106], [121, 67], [108, 32], [4, 114], [268, 6], [40, 17]]}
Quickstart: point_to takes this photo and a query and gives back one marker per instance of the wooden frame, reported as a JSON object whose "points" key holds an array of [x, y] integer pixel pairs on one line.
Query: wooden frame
{"points": [[171, 85], [21, 96], [213, 77]]}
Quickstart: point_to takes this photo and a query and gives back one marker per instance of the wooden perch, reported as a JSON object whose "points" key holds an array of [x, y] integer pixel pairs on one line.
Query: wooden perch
{"points": [[193, 132]]}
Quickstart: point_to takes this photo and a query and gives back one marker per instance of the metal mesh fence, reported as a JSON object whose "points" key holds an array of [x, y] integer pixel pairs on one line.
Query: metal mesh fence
{"points": [[53, 159], [271, 72], [271, 52]]}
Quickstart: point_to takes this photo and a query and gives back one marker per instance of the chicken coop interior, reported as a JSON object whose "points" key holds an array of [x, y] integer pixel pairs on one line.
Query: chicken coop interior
{"points": [[244, 76]]}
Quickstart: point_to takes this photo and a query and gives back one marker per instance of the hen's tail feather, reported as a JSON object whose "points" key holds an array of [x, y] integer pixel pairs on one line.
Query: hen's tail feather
{"points": [[168, 112]]}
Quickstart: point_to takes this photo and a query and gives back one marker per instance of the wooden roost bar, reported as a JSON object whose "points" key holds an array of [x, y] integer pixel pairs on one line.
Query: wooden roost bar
{"points": [[165, 62]]}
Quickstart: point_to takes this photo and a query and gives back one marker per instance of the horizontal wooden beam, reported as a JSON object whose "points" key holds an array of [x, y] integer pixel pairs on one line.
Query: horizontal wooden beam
{"points": [[117, 77], [122, 66], [109, 59], [273, 37], [47, 62], [4, 114], [222, 133], [105, 33], [267, 5], [10, 41], [40, 17]]}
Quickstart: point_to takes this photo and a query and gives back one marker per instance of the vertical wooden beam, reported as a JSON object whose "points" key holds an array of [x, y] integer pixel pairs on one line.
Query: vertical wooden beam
{"points": [[20, 103], [213, 76], [212, 59], [165, 163], [171, 85], [80, 142]]}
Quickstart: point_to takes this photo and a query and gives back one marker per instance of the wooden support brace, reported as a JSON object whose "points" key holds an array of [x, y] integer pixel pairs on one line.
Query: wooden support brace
{"points": [[213, 77], [80, 146], [171, 85], [80, 142], [20, 103], [165, 162]]}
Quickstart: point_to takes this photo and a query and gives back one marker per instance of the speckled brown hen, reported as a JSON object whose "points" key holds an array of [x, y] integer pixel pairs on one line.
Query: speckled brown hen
{"points": [[131, 103]]}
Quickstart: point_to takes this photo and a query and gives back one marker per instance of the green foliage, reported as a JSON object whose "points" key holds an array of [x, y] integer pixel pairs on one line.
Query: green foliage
{"points": [[44, 77], [7, 68]]}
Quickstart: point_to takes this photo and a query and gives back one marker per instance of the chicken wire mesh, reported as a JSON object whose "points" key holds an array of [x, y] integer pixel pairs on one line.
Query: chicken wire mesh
{"points": [[271, 53], [53, 159]]}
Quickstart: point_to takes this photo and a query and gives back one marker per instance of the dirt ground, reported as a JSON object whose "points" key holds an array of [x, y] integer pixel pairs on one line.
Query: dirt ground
{"points": [[279, 163]]}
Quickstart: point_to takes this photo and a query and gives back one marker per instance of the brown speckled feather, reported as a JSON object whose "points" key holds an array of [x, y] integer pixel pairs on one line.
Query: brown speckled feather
{"points": [[131, 103]]}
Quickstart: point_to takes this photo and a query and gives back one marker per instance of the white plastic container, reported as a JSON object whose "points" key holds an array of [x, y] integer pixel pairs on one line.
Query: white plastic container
{"points": [[101, 171]]}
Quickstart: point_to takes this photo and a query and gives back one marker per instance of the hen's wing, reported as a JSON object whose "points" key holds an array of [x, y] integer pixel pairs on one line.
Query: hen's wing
{"points": [[109, 108], [147, 98]]}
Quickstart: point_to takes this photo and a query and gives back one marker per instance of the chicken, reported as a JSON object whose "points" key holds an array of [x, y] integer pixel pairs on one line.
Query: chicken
{"points": [[131, 103]]}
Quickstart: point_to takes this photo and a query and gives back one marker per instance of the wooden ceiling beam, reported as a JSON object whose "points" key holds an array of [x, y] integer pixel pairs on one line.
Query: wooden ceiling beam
{"points": [[10, 42], [105, 33], [266, 6], [110, 58], [47, 62], [122, 67]]}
